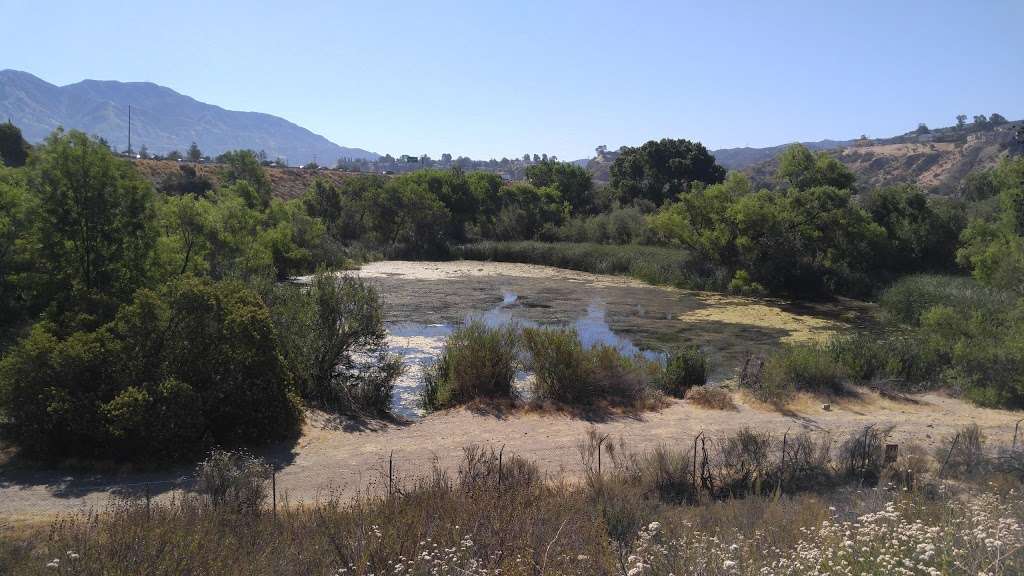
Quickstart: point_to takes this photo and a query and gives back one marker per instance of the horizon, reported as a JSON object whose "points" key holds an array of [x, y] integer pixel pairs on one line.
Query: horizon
{"points": [[426, 91]]}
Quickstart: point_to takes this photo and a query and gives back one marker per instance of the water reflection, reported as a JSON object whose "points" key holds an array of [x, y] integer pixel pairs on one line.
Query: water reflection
{"points": [[420, 344]]}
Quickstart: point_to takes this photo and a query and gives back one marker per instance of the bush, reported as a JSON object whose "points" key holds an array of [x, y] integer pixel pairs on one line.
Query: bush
{"points": [[234, 481], [195, 363], [803, 367], [906, 300], [712, 397], [686, 367], [477, 362], [862, 357], [333, 339], [567, 373]]}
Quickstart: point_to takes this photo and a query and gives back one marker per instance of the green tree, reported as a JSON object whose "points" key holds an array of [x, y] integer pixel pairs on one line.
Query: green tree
{"points": [[13, 147], [921, 235], [803, 169], [194, 154], [94, 228], [659, 170], [16, 218], [244, 166], [572, 182]]}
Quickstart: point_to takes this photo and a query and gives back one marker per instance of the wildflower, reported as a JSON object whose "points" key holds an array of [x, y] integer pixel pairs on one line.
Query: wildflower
{"points": [[728, 564]]}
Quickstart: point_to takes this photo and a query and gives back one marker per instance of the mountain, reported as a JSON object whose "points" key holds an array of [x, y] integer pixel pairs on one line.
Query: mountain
{"points": [[162, 119], [740, 158]]}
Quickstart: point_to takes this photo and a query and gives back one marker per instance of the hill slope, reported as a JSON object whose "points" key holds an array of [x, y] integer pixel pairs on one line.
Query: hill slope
{"points": [[162, 119]]}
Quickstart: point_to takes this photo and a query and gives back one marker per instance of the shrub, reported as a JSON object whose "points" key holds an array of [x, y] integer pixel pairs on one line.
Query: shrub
{"points": [[963, 454], [862, 455], [195, 363], [712, 397], [686, 367], [803, 367], [906, 300], [862, 357], [477, 362], [234, 481], [567, 373], [334, 342]]}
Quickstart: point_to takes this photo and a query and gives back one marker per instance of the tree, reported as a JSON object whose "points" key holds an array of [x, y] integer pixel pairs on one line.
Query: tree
{"points": [[659, 170], [802, 169], [13, 147], [194, 153], [144, 152], [244, 166], [95, 225], [961, 121], [997, 119], [572, 182], [174, 155], [922, 129], [981, 120], [16, 209]]}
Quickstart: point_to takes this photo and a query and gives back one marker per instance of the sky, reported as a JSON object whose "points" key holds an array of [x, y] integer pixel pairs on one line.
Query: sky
{"points": [[491, 79]]}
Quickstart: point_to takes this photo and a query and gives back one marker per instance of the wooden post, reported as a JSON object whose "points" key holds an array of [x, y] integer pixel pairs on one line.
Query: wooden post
{"points": [[391, 473], [1016, 427], [950, 453], [500, 454], [273, 488], [697, 437]]}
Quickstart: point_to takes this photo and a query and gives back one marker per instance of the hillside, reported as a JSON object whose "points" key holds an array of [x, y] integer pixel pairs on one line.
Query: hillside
{"points": [[935, 161], [162, 119], [286, 183]]}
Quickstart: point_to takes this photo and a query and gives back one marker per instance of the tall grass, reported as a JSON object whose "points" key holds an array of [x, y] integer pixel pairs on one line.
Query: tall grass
{"points": [[653, 264], [478, 361], [906, 300]]}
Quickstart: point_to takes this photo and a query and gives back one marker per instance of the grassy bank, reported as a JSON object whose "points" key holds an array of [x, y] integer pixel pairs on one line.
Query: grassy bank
{"points": [[653, 264]]}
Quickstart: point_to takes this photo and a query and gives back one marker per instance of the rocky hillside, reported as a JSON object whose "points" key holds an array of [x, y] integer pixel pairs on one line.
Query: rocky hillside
{"points": [[935, 162], [162, 119]]}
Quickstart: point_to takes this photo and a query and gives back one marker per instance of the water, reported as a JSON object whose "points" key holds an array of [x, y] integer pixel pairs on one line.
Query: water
{"points": [[419, 344]]}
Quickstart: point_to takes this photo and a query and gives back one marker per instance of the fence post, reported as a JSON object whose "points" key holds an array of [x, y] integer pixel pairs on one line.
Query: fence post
{"points": [[391, 473], [273, 487], [695, 438], [1016, 427], [500, 454], [599, 442], [950, 453]]}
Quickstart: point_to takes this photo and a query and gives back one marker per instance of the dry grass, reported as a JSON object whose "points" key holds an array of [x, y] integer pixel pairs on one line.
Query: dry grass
{"points": [[711, 397], [497, 514]]}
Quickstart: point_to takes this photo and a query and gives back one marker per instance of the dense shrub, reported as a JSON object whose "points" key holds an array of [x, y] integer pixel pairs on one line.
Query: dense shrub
{"points": [[907, 299], [686, 367], [333, 340], [195, 363], [565, 372], [478, 361]]}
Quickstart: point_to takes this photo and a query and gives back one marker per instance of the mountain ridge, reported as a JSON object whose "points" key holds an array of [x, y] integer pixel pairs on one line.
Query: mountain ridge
{"points": [[162, 119]]}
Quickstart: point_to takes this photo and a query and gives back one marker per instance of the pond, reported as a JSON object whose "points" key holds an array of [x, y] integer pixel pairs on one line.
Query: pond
{"points": [[425, 301]]}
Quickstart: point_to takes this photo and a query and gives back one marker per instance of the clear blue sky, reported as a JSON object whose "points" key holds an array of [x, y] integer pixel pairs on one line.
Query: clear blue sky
{"points": [[493, 79]]}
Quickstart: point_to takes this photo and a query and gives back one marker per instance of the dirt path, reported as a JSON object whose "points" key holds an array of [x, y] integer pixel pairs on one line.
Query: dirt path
{"points": [[330, 459]]}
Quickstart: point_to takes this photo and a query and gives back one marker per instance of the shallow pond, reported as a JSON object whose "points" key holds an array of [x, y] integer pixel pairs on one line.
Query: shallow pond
{"points": [[425, 300]]}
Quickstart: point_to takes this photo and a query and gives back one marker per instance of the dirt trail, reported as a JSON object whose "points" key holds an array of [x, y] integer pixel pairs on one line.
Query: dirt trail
{"points": [[344, 457], [335, 458]]}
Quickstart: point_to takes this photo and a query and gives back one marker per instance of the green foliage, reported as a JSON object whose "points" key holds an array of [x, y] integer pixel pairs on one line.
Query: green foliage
{"points": [[994, 248], [243, 166], [333, 340], [478, 362], [799, 367], [654, 264], [802, 169], [94, 229], [16, 223], [660, 170], [567, 373], [14, 149], [921, 234], [906, 300], [196, 362], [686, 367], [572, 182]]}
